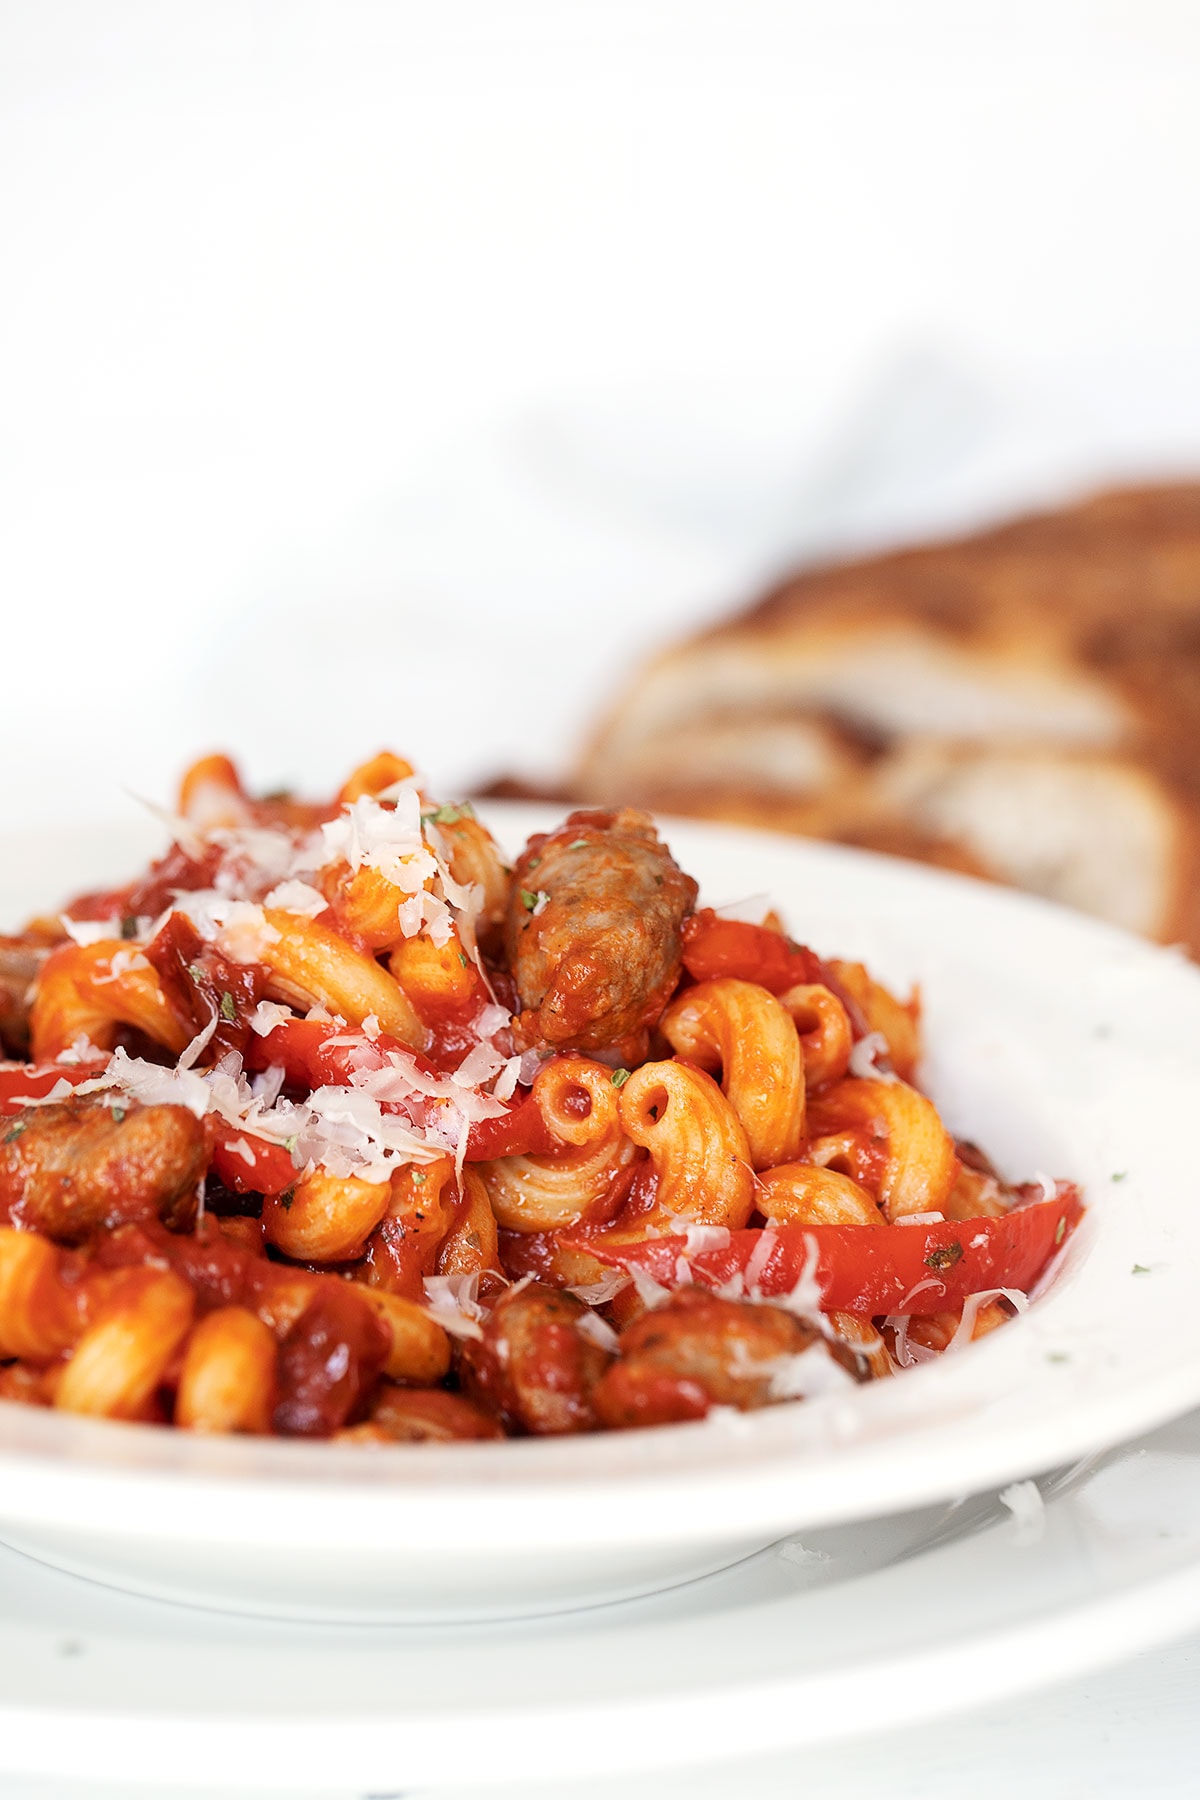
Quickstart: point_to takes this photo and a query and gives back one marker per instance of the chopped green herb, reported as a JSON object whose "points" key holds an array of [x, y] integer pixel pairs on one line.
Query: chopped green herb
{"points": [[944, 1257], [1119, 1175], [579, 844], [228, 1007], [418, 1176], [449, 815], [620, 1076], [528, 899], [534, 862], [129, 926], [289, 1144], [14, 1131], [1058, 1356], [1060, 1232], [118, 1114], [462, 957], [1140, 1269], [196, 972], [286, 1198]]}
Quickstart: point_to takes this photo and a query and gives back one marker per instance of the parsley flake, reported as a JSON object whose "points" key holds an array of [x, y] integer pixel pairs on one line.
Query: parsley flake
{"points": [[529, 899], [196, 972], [1139, 1269], [228, 1007], [418, 1176], [620, 1076], [945, 1256], [289, 1144], [1119, 1175], [579, 844], [449, 815], [1057, 1356], [462, 957], [118, 1114], [15, 1131], [1060, 1232]]}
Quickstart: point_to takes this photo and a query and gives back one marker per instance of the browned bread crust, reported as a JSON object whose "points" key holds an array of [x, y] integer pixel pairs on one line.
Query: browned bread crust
{"points": [[1068, 643]]}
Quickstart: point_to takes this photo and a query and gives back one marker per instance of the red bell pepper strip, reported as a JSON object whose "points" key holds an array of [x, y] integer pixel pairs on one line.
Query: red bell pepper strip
{"points": [[21, 1082], [250, 1165], [715, 947], [867, 1269], [313, 1054], [522, 1131]]}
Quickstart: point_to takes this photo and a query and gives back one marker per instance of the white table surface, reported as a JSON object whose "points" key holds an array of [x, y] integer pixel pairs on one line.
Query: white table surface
{"points": [[1134, 1729]]}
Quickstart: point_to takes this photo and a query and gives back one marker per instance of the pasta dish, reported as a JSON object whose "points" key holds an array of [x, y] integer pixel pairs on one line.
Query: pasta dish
{"points": [[331, 1124]]}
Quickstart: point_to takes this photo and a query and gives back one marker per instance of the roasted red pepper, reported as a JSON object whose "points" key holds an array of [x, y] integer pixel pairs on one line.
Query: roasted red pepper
{"points": [[250, 1165], [715, 947], [314, 1055], [866, 1269], [21, 1082]]}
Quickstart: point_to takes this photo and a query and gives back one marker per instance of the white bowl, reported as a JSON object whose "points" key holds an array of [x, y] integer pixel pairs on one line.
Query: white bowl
{"points": [[1059, 1045]]}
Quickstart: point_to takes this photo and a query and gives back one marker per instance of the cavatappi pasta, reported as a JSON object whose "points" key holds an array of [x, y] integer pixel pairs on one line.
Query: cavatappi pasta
{"points": [[331, 1124]]}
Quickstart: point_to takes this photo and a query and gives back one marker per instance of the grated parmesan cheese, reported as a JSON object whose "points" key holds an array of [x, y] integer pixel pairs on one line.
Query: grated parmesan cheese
{"points": [[1024, 1501]]}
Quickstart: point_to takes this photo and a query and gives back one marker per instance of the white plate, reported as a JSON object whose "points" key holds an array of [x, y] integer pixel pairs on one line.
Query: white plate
{"points": [[860, 1629], [1057, 1043]]}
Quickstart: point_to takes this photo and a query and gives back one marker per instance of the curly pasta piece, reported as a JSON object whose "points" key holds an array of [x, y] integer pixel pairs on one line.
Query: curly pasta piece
{"points": [[861, 1336], [325, 1218], [421, 1212], [918, 1162], [437, 978], [228, 1381], [374, 777], [311, 964], [742, 1030], [543, 1192], [472, 1245], [418, 1349], [126, 1351], [696, 1141], [90, 991], [897, 1021], [365, 903], [39, 1317], [473, 858], [800, 1194], [826, 1037], [212, 798]]}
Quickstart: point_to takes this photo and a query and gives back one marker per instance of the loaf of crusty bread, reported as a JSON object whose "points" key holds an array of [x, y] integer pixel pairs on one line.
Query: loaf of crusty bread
{"points": [[1023, 703]]}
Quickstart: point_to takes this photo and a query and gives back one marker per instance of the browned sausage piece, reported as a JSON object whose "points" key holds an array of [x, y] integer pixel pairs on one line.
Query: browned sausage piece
{"points": [[424, 1416], [77, 1165], [593, 932], [698, 1350], [533, 1368], [328, 1362]]}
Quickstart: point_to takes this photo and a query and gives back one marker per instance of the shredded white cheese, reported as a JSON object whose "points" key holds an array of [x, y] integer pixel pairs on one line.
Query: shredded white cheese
{"points": [[1024, 1501]]}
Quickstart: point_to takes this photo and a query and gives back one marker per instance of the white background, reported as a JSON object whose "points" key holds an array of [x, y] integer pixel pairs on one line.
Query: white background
{"points": [[394, 373], [397, 373]]}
